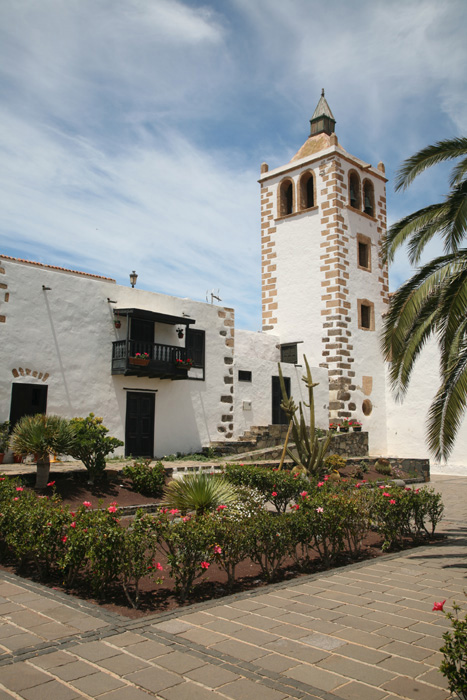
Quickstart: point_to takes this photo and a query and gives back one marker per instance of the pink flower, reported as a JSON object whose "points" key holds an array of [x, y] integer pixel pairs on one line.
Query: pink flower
{"points": [[381, 487], [357, 486], [164, 510], [159, 566], [219, 508], [64, 538], [217, 549], [87, 504], [16, 498], [295, 507], [320, 483], [112, 509], [274, 494], [2, 478], [392, 501], [407, 488], [73, 524], [186, 518], [51, 483], [173, 511], [205, 565], [320, 510], [304, 494], [388, 495], [19, 488], [439, 606]]}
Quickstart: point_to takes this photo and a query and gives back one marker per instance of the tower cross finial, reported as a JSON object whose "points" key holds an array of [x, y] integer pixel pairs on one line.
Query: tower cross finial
{"points": [[322, 92]]}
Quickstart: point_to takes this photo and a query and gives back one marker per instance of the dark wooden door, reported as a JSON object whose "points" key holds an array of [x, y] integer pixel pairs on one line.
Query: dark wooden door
{"points": [[27, 400], [139, 425], [278, 415], [142, 336]]}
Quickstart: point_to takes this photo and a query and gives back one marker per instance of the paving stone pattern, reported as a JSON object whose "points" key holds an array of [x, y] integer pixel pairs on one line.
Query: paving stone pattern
{"points": [[364, 632]]}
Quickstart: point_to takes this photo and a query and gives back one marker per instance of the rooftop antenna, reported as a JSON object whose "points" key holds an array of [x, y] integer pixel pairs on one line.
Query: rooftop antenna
{"points": [[213, 296]]}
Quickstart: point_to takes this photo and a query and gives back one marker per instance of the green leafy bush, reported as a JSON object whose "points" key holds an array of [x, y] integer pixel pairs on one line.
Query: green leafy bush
{"points": [[454, 664], [271, 539], [278, 487], [92, 444], [383, 466], [334, 463], [188, 546], [139, 556], [146, 479]]}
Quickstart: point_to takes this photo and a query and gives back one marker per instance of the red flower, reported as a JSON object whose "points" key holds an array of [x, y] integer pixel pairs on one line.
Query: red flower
{"points": [[205, 565], [392, 501], [219, 508], [159, 567], [112, 509], [296, 507], [73, 524], [64, 538], [304, 494], [51, 483], [439, 606], [320, 483], [87, 504], [173, 511], [19, 488], [274, 494]]}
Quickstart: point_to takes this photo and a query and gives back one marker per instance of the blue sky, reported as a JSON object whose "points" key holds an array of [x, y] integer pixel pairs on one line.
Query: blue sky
{"points": [[133, 130]]}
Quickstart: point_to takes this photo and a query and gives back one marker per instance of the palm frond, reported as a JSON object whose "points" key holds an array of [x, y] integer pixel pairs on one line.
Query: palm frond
{"points": [[458, 173], [428, 221], [448, 408], [429, 156]]}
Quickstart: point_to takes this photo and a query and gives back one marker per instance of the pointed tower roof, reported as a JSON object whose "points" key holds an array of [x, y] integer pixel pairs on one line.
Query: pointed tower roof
{"points": [[322, 109], [322, 135], [322, 120]]}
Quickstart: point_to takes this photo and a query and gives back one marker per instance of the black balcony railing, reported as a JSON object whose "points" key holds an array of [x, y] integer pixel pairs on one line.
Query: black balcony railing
{"points": [[163, 360]]}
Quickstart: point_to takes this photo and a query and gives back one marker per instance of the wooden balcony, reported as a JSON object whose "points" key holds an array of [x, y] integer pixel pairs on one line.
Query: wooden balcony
{"points": [[165, 361]]}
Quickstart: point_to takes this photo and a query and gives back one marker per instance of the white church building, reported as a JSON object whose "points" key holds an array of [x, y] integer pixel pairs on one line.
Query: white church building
{"points": [[173, 375]]}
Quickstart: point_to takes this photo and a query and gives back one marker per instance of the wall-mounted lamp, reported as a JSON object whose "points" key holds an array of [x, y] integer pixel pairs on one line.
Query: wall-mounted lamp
{"points": [[46, 289], [133, 278]]}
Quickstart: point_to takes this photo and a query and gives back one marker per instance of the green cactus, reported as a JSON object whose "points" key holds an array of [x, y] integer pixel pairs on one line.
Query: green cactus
{"points": [[310, 450]]}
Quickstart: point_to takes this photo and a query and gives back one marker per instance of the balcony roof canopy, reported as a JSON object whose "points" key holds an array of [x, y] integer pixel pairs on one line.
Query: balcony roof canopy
{"points": [[154, 316]]}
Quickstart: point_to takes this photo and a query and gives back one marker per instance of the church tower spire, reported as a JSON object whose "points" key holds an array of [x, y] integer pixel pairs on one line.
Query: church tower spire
{"points": [[322, 121]]}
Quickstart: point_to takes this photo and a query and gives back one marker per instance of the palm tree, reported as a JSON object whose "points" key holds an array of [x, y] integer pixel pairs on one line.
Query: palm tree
{"points": [[41, 436], [434, 301]]}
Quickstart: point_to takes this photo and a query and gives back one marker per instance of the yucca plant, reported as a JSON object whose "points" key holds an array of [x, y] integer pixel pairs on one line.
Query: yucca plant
{"points": [[41, 436], [199, 493]]}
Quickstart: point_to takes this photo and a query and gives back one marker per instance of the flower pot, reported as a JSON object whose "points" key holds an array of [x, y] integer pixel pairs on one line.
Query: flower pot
{"points": [[357, 428], [118, 324], [143, 362], [17, 459], [2, 454], [183, 365], [343, 430]]}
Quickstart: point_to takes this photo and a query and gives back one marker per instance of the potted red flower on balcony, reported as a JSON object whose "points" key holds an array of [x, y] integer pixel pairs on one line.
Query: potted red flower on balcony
{"points": [[140, 358], [184, 364]]}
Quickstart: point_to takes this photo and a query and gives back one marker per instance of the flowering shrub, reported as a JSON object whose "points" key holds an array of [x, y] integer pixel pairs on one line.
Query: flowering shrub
{"points": [[187, 545], [279, 487], [139, 556], [146, 479], [454, 664], [270, 540]]}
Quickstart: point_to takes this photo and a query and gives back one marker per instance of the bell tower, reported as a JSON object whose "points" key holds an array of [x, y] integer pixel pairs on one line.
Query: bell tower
{"points": [[324, 287]]}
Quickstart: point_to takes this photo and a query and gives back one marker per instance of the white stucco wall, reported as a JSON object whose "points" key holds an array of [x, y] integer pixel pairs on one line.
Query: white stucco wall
{"points": [[67, 332], [406, 421], [259, 354]]}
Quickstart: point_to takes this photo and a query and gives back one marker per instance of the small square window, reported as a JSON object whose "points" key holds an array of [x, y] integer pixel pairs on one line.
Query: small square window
{"points": [[289, 353], [244, 375]]}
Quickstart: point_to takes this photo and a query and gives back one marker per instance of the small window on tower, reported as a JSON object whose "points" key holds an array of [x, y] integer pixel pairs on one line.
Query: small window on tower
{"points": [[364, 252], [244, 375], [366, 315]]}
